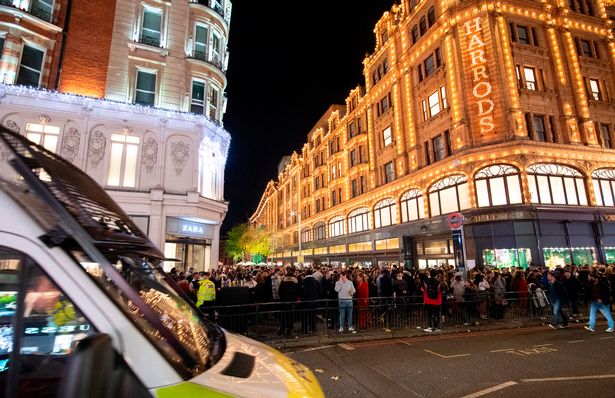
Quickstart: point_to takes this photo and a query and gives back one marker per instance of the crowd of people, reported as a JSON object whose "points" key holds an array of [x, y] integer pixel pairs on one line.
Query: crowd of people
{"points": [[442, 292]]}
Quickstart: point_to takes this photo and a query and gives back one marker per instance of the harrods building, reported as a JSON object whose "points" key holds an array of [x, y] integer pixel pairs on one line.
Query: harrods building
{"points": [[503, 111]]}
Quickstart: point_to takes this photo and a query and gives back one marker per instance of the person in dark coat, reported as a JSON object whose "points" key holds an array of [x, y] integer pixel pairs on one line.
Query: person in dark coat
{"points": [[557, 297], [290, 293], [310, 292]]}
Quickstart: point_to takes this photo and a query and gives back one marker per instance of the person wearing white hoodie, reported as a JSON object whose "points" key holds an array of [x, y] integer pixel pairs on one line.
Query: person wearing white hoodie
{"points": [[345, 290]]}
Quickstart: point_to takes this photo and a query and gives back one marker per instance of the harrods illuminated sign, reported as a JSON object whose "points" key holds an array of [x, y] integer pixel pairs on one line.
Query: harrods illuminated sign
{"points": [[482, 89]]}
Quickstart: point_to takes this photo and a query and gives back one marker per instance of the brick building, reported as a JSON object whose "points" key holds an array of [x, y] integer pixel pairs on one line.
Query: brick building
{"points": [[132, 92], [501, 111]]}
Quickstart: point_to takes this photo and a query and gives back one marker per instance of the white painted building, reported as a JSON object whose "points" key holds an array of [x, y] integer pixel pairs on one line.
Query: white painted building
{"points": [[155, 141]]}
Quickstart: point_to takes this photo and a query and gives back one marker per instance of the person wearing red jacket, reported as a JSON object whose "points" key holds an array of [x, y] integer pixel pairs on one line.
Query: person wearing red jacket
{"points": [[363, 300], [432, 298]]}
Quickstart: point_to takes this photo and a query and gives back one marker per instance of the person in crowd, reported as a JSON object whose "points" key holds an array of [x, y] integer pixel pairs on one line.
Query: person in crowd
{"points": [[557, 297], [499, 295], [519, 289], [206, 295], [470, 303], [432, 299], [276, 279], [600, 301], [289, 292], [484, 289], [311, 291], [363, 300], [345, 290], [572, 285]]}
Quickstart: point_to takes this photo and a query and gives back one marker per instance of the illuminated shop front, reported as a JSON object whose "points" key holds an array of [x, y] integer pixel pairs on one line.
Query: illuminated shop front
{"points": [[505, 258], [189, 243], [562, 256], [435, 253]]}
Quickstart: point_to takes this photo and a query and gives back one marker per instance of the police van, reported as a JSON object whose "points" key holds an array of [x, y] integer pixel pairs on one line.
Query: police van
{"points": [[87, 311]]}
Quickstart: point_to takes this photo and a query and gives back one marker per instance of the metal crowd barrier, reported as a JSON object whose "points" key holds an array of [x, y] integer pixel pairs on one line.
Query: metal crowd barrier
{"points": [[272, 321]]}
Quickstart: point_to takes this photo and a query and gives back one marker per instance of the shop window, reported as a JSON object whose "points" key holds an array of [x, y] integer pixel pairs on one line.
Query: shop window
{"points": [[556, 184], [50, 326], [319, 231], [43, 134], [506, 258], [412, 206], [448, 195], [306, 235], [498, 185], [358, 220], [604, 186], [384, 213], [336, 227], [123, 162], [30, 66], [563, 256]]}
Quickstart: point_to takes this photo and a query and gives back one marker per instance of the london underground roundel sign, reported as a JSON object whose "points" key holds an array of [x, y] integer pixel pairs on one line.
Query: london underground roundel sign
{"points": [[455, 220]]}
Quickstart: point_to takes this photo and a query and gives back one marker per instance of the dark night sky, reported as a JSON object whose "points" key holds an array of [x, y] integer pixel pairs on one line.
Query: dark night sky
{"points": [[287, 65]]}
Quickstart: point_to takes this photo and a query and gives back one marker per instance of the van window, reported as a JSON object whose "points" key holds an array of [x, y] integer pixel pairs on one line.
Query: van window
{"points": [[39, 327]]}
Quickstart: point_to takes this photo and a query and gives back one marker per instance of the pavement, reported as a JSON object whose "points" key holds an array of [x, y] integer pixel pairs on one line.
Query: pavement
{"points": [[333, 337]]}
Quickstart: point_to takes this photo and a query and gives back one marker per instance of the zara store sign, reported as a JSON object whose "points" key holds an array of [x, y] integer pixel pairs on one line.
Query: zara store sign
{"points": [[179, 227]]}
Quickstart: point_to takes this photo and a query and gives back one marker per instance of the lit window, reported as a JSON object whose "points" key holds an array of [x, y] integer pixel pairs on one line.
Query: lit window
{"points": [[146, 88], [448, 195], [443, 97], [213, 103], [556, 184], [530, 78], [594, 88], [123, 162], [198, 93], [384, 213], [387, 138], [434, 104], [358, 220], [424, 108], [412, 206], [44, 135], [152, 23], [30, 67], [336, 227], [604, 186], [200, 43], [498, 185]]}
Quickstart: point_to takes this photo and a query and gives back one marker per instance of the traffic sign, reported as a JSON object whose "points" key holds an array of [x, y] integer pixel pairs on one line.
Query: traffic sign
{"points": [[455, 220]]}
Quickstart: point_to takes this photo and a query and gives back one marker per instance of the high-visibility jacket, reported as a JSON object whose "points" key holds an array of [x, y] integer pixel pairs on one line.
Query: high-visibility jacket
{"points": [[207, 292]]}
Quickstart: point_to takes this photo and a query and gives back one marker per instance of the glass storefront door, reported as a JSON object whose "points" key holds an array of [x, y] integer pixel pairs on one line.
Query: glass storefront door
{"points": [[190, 253]]}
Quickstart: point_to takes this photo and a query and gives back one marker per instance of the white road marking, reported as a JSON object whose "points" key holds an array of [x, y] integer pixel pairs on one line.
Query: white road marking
{"points": [[541, 345], [405, 342], [569, 378], [314, 348], [575, 341], [491, 389], [610, 337], [504, 350], [447, 356], [346, 346]]}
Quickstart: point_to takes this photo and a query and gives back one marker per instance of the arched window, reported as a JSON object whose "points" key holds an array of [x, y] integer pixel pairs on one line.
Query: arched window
{"points": [[448, 195], [385, 213], [336, 226], [412, 206], [358, 220], [497, 185], [554, 184], [306, 235], [604, 186], [320, 231]]}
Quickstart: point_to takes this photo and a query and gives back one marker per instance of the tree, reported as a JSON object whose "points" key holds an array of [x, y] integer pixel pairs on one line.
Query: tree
{"points": [[245, 241], [235, 246]]}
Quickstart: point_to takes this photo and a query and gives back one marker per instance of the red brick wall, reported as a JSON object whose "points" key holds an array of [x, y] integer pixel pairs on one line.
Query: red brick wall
{"points": [[88, 43]]}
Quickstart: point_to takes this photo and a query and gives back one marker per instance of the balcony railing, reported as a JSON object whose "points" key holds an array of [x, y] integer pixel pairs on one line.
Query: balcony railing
{"points": [[216, 7], [203, 56], [150, 41], [34, 11]]}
